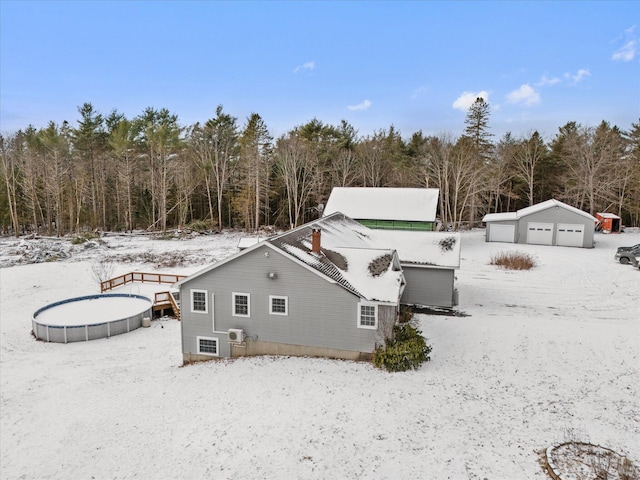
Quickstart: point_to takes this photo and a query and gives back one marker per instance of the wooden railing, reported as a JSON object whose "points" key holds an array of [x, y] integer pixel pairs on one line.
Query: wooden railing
{"points": [[161, 278], [164, 298], [160, 298]]}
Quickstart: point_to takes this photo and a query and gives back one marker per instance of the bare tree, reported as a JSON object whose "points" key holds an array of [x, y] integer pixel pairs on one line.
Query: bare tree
{"points": [[499, 182], [374, 167], [296, 168], [593, 156], [529, 152], [343, 168], [11, 148]]}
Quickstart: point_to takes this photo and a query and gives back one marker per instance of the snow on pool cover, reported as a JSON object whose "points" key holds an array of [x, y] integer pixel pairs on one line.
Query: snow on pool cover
{"points": [[91, 317]]}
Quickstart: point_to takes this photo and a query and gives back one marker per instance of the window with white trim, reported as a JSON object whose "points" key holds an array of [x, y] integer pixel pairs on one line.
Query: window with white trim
{"points": [[278, 305], [199, 301], [208, 346], [241, 304], [367, 315]]}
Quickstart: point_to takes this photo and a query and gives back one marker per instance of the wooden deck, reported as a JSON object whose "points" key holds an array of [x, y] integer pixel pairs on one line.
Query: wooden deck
{"points": [[162, 300]]}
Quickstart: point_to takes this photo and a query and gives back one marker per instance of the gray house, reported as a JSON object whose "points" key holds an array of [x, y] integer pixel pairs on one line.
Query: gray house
{"points": [[305, 292], [429, 261], [547, 223]]}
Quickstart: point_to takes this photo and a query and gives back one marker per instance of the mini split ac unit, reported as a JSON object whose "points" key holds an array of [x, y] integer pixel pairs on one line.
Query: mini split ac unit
{"points": [[235, 335]]}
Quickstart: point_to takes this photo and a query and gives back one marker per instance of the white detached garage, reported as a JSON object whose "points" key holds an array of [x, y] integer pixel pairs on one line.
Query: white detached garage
{"points": [[547, 223]]}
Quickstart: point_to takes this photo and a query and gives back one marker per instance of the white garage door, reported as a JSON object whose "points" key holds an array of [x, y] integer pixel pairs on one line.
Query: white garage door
{"points": [[501, 233], [540, 233], [570, 235]]}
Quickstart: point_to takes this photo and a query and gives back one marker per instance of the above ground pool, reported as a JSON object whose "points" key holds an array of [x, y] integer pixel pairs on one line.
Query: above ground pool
{"points": [[93, 316]]}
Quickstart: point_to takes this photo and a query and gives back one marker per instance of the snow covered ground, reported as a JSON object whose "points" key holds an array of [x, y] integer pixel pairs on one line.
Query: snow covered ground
{"points": [[544, 356]]}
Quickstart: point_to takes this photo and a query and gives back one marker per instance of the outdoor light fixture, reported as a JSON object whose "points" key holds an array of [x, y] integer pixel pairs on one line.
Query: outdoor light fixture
{"points": [[266, 254], [272, 275]]}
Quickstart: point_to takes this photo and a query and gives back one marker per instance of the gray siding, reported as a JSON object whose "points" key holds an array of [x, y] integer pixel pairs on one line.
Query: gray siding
{"points": [[320, 313], [428, 286], [556, 216]]}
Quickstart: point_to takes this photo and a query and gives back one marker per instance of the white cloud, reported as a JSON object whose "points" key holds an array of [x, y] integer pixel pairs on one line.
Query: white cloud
{"points": [[464, 101], [526, 95], [361, 106], [577, 78], [628, 51], [544, 81], [309, 66]]}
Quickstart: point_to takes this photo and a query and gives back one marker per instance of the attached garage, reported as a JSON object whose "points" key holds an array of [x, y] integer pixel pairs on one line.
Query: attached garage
{"points": [[547, 223]]}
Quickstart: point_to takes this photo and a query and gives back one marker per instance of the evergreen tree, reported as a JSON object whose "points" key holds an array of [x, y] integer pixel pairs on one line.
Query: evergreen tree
{"points": [[89, 142], [477, 136]]}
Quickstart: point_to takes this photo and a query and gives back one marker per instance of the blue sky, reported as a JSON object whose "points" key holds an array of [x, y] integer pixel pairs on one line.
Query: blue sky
{"points": [[415, 65]]}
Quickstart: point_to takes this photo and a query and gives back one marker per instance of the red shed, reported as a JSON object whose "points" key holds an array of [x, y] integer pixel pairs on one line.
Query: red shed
{"points": [[609, 222]]}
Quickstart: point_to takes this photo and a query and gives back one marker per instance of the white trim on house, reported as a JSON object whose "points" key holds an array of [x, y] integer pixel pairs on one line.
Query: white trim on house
{"points": [[213, 312], [366, 314], [234, 312], [192, 293], [286, 305], [211, 344]]}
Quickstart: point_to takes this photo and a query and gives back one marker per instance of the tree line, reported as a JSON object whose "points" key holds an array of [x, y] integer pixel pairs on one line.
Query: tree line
{"points": [[149, 172]]}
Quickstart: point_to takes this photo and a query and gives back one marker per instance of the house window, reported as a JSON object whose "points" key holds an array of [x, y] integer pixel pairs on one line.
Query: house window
{"points": [[367, 315], [278, 305], [208, 346], [199, 301], [241, 304]]}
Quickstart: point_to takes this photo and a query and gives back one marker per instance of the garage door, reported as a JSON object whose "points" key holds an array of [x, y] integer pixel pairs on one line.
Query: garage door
{"points": [[540, 233], [570, 235], [501, 233]]}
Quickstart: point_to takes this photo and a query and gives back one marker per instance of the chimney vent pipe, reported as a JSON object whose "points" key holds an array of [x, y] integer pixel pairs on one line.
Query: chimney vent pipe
{"points": [[315, 240]]}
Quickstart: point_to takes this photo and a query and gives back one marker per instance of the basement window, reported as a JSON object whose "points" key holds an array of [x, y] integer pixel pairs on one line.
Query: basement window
{"points": [[208, 346]]}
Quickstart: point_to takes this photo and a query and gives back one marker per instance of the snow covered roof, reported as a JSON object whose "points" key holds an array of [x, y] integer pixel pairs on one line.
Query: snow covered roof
{"points": [[438, 249], [369, 272], [500, 217], [538, 207], [407, 204], [607, 215], [551, 204], [246, 242]]}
